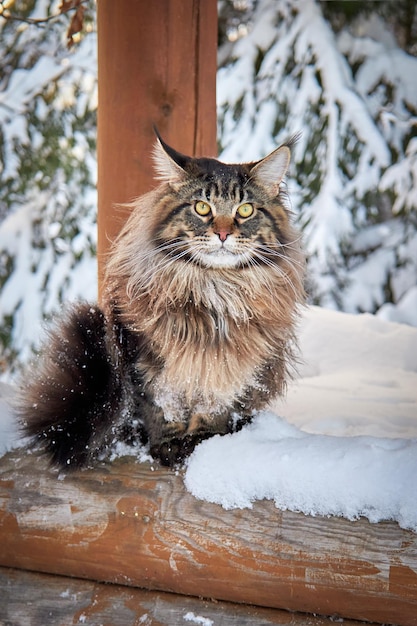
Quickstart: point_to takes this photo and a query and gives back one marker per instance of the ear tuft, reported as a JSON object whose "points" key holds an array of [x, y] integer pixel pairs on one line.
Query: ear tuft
{"points": [[166, 168], [270, 171], [170, 164]]}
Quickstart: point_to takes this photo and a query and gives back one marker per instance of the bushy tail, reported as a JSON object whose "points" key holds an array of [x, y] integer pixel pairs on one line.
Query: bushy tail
{"points": [[75, 391]]}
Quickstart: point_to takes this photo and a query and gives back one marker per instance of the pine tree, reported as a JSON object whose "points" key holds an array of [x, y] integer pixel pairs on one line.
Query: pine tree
{"points": [[47, 178], [345, 82], [340, 72]]}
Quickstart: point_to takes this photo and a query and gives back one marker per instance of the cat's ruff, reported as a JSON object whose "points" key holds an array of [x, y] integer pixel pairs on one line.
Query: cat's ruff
{"points": [[196, 329]]}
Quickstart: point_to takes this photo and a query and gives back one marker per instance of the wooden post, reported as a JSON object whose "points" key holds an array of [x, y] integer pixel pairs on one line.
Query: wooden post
{"points": [[136, 525], [157, 64]]}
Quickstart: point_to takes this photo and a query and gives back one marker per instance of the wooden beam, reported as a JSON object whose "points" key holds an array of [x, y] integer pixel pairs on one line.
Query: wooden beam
{"points": [[157, 64], [45, 600], [134, 524]]}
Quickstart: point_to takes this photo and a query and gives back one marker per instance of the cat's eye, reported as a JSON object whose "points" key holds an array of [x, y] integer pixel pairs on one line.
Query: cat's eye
{"points": [[245, 210], [202, 208]]}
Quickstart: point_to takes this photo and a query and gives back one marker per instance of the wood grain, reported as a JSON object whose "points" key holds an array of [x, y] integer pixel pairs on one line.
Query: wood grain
{"points": [[45, 600], [157, 64], [134, 524]]}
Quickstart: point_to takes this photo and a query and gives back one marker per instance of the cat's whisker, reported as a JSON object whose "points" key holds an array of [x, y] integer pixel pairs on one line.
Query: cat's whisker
{"points": [[279, 270], [193, 326], [163, 247], [145, 261], [170, 250], [263, 277], [289, 244], [266, 249], [291, 263], [159, 265], [153, 267]]}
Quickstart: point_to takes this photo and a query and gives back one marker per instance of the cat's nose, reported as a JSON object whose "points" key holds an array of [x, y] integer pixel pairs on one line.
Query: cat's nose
{"points": [[223, 227], [223, 235]]}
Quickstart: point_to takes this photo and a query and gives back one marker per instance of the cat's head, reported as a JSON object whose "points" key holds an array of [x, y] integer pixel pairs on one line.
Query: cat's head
{"points": [[223, 215]]}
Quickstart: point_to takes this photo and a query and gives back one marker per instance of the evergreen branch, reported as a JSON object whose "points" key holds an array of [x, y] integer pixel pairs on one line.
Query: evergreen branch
{"points": [[76, 24], [65, 7]]}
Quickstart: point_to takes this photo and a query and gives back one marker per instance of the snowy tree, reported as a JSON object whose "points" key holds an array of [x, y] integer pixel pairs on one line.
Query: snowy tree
{"points": [[343, 73], [47, 174], [352, 92]]}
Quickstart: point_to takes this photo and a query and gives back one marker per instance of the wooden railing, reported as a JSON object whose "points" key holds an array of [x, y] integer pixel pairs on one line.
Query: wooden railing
{"points": [[135, 524]]}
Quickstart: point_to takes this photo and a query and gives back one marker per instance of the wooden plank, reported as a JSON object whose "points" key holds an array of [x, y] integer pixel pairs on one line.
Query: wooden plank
{"points": [[45, 600], [135, 524], [157, 64]]}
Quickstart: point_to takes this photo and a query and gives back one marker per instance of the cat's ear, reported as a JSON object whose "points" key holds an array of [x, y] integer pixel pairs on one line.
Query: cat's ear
{"points": [[270, 171], [169, 164]]}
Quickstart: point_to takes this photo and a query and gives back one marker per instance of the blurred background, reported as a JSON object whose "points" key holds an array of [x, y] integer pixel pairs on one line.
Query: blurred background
{"points": [[343, 73]]}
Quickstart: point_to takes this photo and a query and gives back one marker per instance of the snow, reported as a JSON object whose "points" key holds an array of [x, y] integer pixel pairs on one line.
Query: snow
{"points": [[358, 377], [198, 619], [38, 275], [9, 436], [48, 96], [351, 94], [346, 443], [314, 474], [349, 423], [343, 442], [405, 311]]}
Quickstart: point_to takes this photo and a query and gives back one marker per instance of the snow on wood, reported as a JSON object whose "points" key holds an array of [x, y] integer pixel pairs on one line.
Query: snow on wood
{"points": [[135, 524], [348, 443], [354, 410], [342, 442], [314, 474]]}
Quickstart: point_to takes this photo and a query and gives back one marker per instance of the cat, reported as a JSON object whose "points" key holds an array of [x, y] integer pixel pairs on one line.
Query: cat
{"points": [[196, 328]]}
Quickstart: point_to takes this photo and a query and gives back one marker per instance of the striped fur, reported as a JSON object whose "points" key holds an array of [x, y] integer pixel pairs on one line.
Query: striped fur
{"points": [[201, 297]]}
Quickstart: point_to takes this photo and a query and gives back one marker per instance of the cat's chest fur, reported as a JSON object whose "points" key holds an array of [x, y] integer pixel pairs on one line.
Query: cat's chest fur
{"points": [[213, 331], [195, 329]]}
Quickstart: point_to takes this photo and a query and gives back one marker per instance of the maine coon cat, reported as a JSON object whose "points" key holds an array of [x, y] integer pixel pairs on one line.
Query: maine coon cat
{"points": [[195, 331]]}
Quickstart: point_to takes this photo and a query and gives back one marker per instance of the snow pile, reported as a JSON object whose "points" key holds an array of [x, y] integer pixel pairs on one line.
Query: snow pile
{"points": [[358, 377], [314, 474], [348, 443]]}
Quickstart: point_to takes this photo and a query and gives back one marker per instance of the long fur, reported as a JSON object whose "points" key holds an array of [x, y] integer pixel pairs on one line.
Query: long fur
{"points": [[77, 392], [181, 348]]}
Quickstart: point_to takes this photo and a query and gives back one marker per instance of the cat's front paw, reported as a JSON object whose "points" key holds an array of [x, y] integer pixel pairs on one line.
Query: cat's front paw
{"points": [[175, 450]]}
